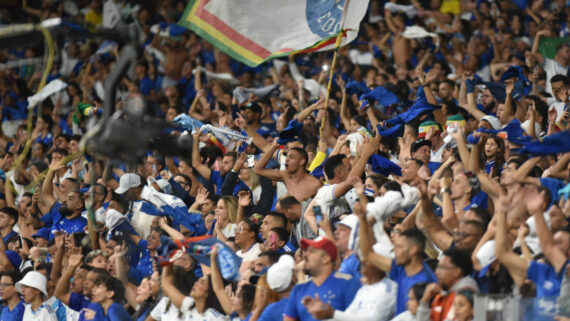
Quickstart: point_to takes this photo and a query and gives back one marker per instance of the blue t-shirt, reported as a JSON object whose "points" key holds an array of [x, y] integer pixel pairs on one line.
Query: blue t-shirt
{"points": [[70, 226], [16, 314], [99, 312], [274, 311], [53, 216], [78, 301], [545, 278], [351, 266], [216, 178], [116, 312], [338, 290], [405, 282]]}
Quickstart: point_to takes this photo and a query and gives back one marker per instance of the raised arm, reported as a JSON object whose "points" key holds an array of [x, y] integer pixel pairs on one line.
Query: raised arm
{"points": [[197, 164], [168, 288], [521, 175], [516, 265], [536, 43], [218, 284], [366, 237], [508, 113], [122, 267], [46, 195], [536, 205], [259, 169], [432, 225], [62, 291]]}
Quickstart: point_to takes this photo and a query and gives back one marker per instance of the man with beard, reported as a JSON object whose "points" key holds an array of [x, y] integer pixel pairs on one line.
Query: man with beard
{"points": [[48, 204], [333, 288], [71, 210]]}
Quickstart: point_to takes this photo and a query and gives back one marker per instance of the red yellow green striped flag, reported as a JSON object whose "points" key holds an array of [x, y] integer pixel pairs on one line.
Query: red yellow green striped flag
{"points": [[255, 31]]}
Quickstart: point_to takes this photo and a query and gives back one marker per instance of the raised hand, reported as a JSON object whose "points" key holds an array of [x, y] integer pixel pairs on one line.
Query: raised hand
{"points": [[244, 198], [202, 196]]}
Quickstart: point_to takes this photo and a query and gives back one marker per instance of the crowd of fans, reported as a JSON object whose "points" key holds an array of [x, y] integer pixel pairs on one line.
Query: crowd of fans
{"points": [[404, 197]]}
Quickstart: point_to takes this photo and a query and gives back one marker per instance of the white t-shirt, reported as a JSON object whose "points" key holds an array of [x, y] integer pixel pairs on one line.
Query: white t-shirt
{"points": [[251, 254], [552, 68], [162, 311], [44, 313], [191, 314], [229, 230], [372, 301]]}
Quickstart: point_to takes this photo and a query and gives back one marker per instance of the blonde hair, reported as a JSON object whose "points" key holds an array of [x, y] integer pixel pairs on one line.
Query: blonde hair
{"points": [[272, 296], [231, 204]]}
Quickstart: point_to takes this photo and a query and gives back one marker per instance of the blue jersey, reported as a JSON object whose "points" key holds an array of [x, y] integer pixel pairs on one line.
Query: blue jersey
{"points": [[338, 290], [53, 216], [7, 237], [78, 301], [405, 282], [16, 314], [546, 279], [274, 311], [116, 312], [70, 226], [351, 266]]}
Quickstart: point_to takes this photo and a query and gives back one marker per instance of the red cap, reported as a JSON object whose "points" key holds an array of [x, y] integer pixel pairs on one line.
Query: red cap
{"points": [[321, 243]]}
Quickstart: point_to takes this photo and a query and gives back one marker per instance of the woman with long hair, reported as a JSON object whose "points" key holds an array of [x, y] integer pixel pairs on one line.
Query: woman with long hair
{"points": [[492, 157], [226, 218], [200, 304], [178, 282]]}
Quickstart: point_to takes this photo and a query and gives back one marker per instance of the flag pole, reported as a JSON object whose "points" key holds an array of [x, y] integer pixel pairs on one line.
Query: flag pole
{"points": [[333, 64]]}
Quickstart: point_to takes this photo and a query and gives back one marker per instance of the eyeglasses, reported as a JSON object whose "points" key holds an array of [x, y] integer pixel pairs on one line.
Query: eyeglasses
{"points": [[241, 229], [5, 285]]}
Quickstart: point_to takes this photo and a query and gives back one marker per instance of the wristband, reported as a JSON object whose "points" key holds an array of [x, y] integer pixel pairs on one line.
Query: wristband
{"points": [[445, 190]]}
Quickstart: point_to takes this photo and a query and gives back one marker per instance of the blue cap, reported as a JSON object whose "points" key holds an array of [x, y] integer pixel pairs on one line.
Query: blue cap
{"points": [[290, 133], [44, 233]]}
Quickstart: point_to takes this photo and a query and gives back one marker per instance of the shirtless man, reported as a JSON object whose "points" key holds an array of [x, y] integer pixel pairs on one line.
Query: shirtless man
{"points": [[175, 56], [298, 182]]}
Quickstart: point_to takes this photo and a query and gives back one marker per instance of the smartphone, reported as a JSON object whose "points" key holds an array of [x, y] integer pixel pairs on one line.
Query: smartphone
{"points": [[318, 214], [272, 239]]}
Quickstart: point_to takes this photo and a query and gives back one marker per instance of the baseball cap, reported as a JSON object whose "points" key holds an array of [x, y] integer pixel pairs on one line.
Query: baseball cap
{"points": [[322, 244], [253, 106], [351, 221], [127, 182], [279, 275], [419, 143], [34, 280], [493, 121], [44, 233]]}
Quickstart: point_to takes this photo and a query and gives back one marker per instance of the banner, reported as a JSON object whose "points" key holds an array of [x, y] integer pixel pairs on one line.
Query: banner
{"points": [[254, 31]]}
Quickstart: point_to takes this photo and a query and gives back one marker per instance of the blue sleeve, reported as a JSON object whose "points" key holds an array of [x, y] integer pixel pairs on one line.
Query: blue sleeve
{"points": [[291, 308], [395, 271], [150, 209], [216, 178], [536, 271], [350, 291], [49, 218], [553, 185], [75, 301], [116, 312], [144, 266]]}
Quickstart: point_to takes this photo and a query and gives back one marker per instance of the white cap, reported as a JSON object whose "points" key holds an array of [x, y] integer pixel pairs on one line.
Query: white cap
{"points": [[34, 280], [279, 275], [127, 182], [351, 221], [494, 121]]}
